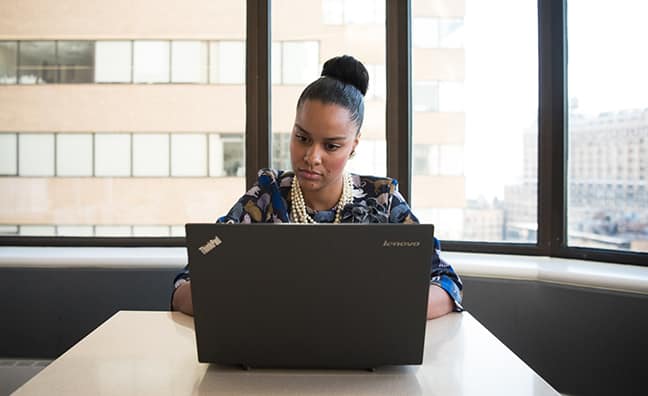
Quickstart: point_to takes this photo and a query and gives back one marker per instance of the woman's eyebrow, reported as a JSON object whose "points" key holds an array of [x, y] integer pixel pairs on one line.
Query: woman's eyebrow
{"points": [[330, 139]]}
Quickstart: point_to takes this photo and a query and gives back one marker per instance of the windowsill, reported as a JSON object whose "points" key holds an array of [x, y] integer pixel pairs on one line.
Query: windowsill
{"points": [[581, 273]]}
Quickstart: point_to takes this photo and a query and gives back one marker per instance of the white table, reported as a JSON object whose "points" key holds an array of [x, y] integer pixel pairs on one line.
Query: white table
{"points": [[154, 353]]}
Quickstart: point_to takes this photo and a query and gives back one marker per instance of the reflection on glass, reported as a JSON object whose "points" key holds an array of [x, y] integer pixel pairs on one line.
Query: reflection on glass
{"points": [[37, 61], [474, 120], [75, 61], [607, 203], [233, 156], [281, 151], [8, 61]]}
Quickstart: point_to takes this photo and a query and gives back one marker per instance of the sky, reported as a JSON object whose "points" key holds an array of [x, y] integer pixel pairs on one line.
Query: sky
{"points": [[606, 72]]}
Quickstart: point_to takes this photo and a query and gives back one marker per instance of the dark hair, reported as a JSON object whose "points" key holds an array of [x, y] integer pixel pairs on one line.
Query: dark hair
{"points": [[344, 82]]}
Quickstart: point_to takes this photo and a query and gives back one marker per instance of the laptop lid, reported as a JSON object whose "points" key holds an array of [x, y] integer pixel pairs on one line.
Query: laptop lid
{"points": [[310, 296]]}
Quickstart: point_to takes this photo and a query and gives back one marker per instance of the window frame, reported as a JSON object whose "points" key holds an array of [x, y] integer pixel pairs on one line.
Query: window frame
{"points": [[552, 133]]}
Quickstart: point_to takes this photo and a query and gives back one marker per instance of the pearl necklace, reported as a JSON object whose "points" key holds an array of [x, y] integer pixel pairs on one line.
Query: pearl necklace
{"points": [[299, 214]]}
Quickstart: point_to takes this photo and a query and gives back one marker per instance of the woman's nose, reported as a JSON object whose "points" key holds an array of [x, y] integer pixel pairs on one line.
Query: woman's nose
{"points": [[313, 156]]}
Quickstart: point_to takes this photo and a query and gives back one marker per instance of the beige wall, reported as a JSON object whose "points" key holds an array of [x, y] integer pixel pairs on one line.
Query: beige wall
{"points": [[444, 8], [122, 19], [105, 201], [438, 128], [127, 108], [439, 191], [446, 64]]}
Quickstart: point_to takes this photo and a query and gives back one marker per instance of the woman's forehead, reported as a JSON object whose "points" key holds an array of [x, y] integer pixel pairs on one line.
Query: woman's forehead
{"points": [[316, 118]]}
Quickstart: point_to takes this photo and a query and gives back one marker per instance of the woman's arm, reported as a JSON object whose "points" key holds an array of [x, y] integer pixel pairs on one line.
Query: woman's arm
{"points": [[439, 302], [182, 299]]}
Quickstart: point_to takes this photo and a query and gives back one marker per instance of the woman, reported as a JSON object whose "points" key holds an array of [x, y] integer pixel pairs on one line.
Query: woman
{"points": [[325, 135]]}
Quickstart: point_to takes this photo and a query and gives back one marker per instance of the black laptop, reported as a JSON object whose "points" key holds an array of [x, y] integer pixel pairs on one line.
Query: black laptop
{"points": [[310, 296]]}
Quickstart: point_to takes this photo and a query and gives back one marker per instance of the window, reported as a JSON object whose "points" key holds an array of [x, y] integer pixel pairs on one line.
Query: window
{"points": [[113, 61], [425, 95], [8, 62], [37, 61], [425, 32], [232, 156], [75, 61], [188, 155], [112, 154], [608, 97], [474, 121], [300, 62], [227, 62], [8, 154], [188, 62], [226, 155], [151, 154], [151, 62], [74, 154], [36, 154]]}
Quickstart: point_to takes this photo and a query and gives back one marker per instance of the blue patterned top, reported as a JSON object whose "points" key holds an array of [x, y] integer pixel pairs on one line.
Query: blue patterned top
{"points": [[375, 200]]}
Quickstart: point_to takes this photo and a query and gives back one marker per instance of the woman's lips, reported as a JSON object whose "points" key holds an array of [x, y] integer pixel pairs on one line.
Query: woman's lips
{"points": [[308, 175]]}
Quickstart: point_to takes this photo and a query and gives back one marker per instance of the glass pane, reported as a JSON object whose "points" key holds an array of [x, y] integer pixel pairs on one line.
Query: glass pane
{"points": [[474, 120], [8, 61], [36, 154], [150, 154], [151, 230], [37, 230], [112, 154], [74, 154], [607, 203], [37, 61], [302, 42], [8, 154], [188, 155], [189, 62], [231, 62], [113, 61], [113, 231], [76, 61], [233, 150], [300, 62], [72, 230], [151, 62]]}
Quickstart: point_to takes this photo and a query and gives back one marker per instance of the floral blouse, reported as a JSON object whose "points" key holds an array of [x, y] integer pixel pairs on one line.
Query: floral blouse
{"points": [[375, 200]]}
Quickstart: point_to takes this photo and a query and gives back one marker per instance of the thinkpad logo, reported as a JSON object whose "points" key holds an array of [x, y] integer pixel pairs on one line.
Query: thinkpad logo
{"points": [[401, 244], [210, 245]]}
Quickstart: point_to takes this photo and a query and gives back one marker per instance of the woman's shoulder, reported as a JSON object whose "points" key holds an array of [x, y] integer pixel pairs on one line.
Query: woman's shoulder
{"points": [[374, 186], [269, 176]]}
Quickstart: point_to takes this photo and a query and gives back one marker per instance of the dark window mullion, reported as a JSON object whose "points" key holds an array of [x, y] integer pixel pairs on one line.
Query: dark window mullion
{"points": [[552, 129], [399, 94], [257, 89]]}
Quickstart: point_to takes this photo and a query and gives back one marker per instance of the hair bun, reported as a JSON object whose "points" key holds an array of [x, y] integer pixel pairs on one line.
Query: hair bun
{"points": [[348, 70]]}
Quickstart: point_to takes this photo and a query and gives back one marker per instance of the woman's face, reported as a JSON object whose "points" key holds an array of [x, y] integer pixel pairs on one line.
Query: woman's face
{"points": [[320, 145]]}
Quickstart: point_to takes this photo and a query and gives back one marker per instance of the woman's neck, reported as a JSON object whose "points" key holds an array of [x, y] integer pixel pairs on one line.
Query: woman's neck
{"points": [[324, 199]]}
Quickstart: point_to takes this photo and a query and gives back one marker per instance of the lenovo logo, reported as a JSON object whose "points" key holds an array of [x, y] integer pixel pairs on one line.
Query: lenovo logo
{"points": [[401, 244]]}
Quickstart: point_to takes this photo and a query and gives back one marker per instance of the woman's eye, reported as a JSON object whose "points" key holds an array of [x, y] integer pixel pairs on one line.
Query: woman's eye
{"points": [[332, 147], [301, 138]]}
